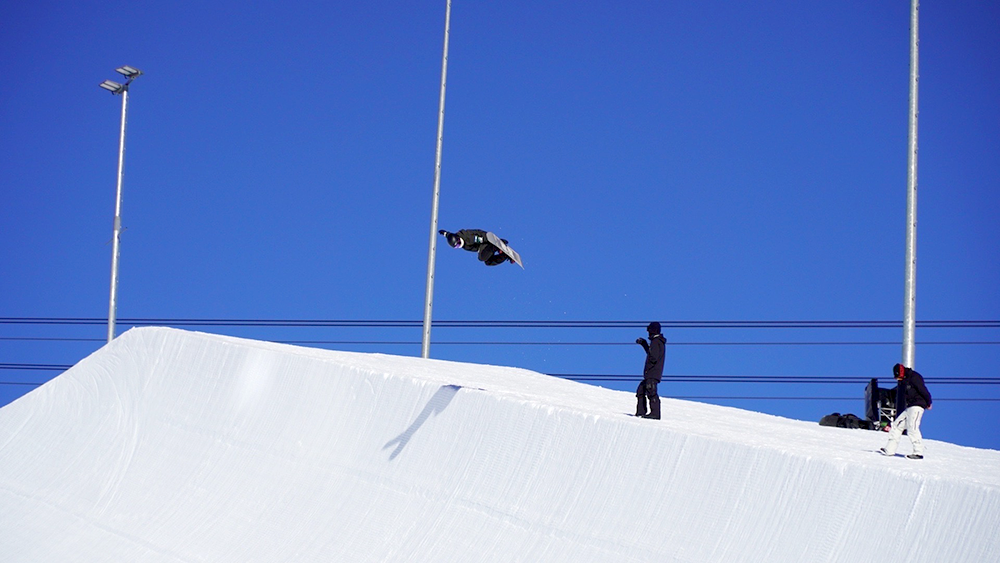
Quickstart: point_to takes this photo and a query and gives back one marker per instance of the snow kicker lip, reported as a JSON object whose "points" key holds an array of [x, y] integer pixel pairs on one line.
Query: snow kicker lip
{"points": [[369, 457]]}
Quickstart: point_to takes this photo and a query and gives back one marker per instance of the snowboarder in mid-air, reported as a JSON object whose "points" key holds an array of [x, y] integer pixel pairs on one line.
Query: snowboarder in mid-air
{"points": [[475, 240]]}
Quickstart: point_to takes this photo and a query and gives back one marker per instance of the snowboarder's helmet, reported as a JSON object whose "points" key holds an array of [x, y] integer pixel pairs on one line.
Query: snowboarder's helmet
{"points": [[454, 240], [898, 371], [653, 328]]}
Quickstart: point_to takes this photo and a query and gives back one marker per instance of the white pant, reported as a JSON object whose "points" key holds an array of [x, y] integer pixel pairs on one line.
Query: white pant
{"points": [[909, 421]]}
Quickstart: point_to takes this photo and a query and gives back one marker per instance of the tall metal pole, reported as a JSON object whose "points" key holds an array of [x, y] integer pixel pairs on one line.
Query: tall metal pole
{"points": [[910, 292], [432, 253], [113, 306]]}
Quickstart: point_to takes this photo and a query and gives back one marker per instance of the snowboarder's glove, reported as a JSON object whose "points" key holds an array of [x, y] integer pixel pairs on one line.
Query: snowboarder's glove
{"points": [[642, 342], [442, 232]]}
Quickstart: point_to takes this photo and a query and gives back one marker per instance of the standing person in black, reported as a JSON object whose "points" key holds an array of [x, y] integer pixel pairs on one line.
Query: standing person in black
{"points": [[652, 372], [918, 399]]}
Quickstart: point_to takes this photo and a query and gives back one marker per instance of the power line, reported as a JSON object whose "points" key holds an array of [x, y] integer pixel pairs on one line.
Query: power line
{"points": [[554, 343], [730, 324], [36, 367], [742, 398], [669, 378], [677, 378], [553, 324], [706, 397], [782, 379]]}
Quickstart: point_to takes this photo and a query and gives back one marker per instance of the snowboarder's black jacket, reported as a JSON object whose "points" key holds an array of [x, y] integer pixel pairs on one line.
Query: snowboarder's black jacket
{"points": [[656, 351], [473, 239]]}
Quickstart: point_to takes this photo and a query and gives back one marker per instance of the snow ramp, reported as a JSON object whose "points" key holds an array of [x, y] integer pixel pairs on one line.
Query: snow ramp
{"points": [[176, 446]]}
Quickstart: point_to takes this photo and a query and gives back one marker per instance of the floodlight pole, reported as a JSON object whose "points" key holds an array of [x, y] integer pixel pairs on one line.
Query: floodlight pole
{"points": [[115, 245], [910, 291], [130, 74], [432, 253]]}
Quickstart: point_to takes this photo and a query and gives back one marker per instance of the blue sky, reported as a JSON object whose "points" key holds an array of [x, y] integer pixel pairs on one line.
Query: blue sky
{"points": [[672, 161]]}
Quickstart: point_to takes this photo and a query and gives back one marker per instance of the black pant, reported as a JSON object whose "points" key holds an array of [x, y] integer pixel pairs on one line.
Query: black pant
{"points": [[647, 390], [491, 255]]}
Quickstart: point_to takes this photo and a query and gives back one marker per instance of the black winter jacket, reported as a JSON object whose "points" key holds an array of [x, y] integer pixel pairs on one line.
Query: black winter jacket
{"points": [[472, 239], [656, 353], [914, 390]]}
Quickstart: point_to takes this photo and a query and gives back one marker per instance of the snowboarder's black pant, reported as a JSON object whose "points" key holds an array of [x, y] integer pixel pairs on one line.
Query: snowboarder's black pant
{"points": [[491, 255], [647, 390]]}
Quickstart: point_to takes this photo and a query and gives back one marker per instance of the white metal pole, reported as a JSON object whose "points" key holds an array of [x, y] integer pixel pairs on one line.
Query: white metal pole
{"points": [[910, 292], [113, 306], [432, 253]]}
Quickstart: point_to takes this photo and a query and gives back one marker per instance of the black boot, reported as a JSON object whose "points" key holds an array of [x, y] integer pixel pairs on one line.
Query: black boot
{"points": [[654, 408], [640, 407]]}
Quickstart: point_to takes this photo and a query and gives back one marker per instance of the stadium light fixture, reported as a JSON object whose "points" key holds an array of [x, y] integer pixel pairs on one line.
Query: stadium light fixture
{"points": [[130, 74], [112, 86]]}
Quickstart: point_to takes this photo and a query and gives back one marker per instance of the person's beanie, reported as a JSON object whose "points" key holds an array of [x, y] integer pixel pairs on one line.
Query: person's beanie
{"points": [[653, 328], [899, 371]]}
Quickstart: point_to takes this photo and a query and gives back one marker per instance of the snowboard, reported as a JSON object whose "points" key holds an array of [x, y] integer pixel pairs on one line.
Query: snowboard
{"points": [[510, 252]]}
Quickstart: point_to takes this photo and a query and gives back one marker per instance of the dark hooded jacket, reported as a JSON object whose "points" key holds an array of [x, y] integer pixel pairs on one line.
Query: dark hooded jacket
{"points": [[472, 239], [655, 355], [913, 387]]}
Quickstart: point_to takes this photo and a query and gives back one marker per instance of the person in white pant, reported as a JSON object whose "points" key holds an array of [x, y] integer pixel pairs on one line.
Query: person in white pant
{"points": [[918, 398]]}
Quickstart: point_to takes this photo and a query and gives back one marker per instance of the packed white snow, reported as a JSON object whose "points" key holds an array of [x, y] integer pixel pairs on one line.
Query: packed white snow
{"points": [[175, 446]]}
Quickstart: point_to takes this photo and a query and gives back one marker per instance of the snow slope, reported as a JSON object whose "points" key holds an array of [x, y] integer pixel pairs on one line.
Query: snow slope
{"points": [[177, 446]]}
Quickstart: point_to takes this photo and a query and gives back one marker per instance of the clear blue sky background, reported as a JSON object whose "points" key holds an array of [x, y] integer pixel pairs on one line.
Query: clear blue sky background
{"points": [[649, 160]]}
